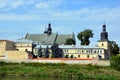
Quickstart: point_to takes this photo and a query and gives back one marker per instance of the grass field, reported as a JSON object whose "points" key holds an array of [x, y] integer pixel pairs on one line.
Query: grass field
{"points": [[59, 70]]}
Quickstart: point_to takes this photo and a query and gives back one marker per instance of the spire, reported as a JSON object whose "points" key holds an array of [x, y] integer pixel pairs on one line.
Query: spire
{"points": [[104, 28], [49, 29], [104, 34]]}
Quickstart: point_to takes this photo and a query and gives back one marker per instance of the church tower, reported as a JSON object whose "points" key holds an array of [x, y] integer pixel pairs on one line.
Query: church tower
{"points": [[48, 31], [103, 42]]}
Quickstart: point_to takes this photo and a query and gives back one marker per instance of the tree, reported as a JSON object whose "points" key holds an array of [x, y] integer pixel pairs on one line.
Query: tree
{"points": [[84, 36], [56, 51], [114, 49], [70, 41], [115, 62], [40, 53], [47, 52], [33, 46]]}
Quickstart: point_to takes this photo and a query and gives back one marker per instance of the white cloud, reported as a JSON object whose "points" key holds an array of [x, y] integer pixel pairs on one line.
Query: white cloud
{"points": [[51, 4], [6, 5]]}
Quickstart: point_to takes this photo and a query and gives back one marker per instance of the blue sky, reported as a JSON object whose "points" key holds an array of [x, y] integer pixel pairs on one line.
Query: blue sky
{"points": [[18, 17]]}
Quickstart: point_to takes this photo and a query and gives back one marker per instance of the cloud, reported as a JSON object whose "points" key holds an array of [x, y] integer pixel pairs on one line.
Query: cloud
{"points": [[6, 5], [50, 4]]}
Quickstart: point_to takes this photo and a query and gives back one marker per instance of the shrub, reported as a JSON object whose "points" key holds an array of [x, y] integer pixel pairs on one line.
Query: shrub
{"points": [[115, 62]]}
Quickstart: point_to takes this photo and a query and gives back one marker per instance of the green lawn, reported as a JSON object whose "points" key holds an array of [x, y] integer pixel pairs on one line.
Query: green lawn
{"points": [[59, 70]]}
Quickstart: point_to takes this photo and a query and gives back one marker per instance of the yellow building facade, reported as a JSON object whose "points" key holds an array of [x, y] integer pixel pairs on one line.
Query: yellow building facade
{"points": [[6, 45], [23, 45], [70, 51], [9, 52]]}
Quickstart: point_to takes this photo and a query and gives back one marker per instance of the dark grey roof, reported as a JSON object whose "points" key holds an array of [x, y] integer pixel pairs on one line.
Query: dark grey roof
{"points": [[23, 41], [62, 38], [49, 39], [42, 38]]}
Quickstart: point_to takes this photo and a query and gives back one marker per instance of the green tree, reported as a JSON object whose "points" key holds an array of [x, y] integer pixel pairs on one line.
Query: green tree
{"points": [[56, 51], [115, 62], [84, 36], [114, 49], [40, 53], [47, 52], [70, 41]]}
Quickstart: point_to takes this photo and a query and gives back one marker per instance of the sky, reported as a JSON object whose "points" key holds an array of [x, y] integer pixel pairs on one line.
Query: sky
{"points": [[19, 17]]}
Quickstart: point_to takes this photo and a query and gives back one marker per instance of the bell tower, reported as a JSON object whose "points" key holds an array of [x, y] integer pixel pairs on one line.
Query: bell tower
{"points": [[48, 31], [104, 42], [104, 34]]}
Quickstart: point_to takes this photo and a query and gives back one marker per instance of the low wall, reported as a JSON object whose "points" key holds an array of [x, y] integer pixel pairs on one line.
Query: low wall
{"points": [[73, 61]]}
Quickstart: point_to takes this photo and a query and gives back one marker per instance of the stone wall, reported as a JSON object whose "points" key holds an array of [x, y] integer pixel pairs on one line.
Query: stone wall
{"points": [[73, 61], [15, 56]]}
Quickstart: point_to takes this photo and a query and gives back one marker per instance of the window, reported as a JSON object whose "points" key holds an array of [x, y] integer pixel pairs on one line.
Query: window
{"points": [[66, 50], [78, 56], [71, 56], [102, 44], [82, 51], [95, 51], [26, 50], [100, 51], [78, 50], [66, 56], [86, 51], [88, 56]]}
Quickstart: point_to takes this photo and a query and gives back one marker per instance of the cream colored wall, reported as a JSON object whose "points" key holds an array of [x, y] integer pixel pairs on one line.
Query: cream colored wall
{"points": [[104, 45], [9, 45], [23, 47], [83, 53], [15, 55], [6, 45], [2, 46]]}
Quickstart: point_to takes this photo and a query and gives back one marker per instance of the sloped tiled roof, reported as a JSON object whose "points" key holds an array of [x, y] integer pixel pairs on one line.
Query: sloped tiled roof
{"points": [[42, 38], [61, 39], [49, 39]]}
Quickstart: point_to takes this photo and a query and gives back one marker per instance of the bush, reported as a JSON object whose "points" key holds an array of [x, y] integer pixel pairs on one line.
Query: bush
{"points": [[115, 62]]}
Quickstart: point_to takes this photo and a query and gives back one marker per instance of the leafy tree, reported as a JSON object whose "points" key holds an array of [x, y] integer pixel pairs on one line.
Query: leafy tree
{"points": [[56, 51], [115, 62], [114, 49], [33, 46], [84, 36], [40, 53], [47, 52], [70, 41]]}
